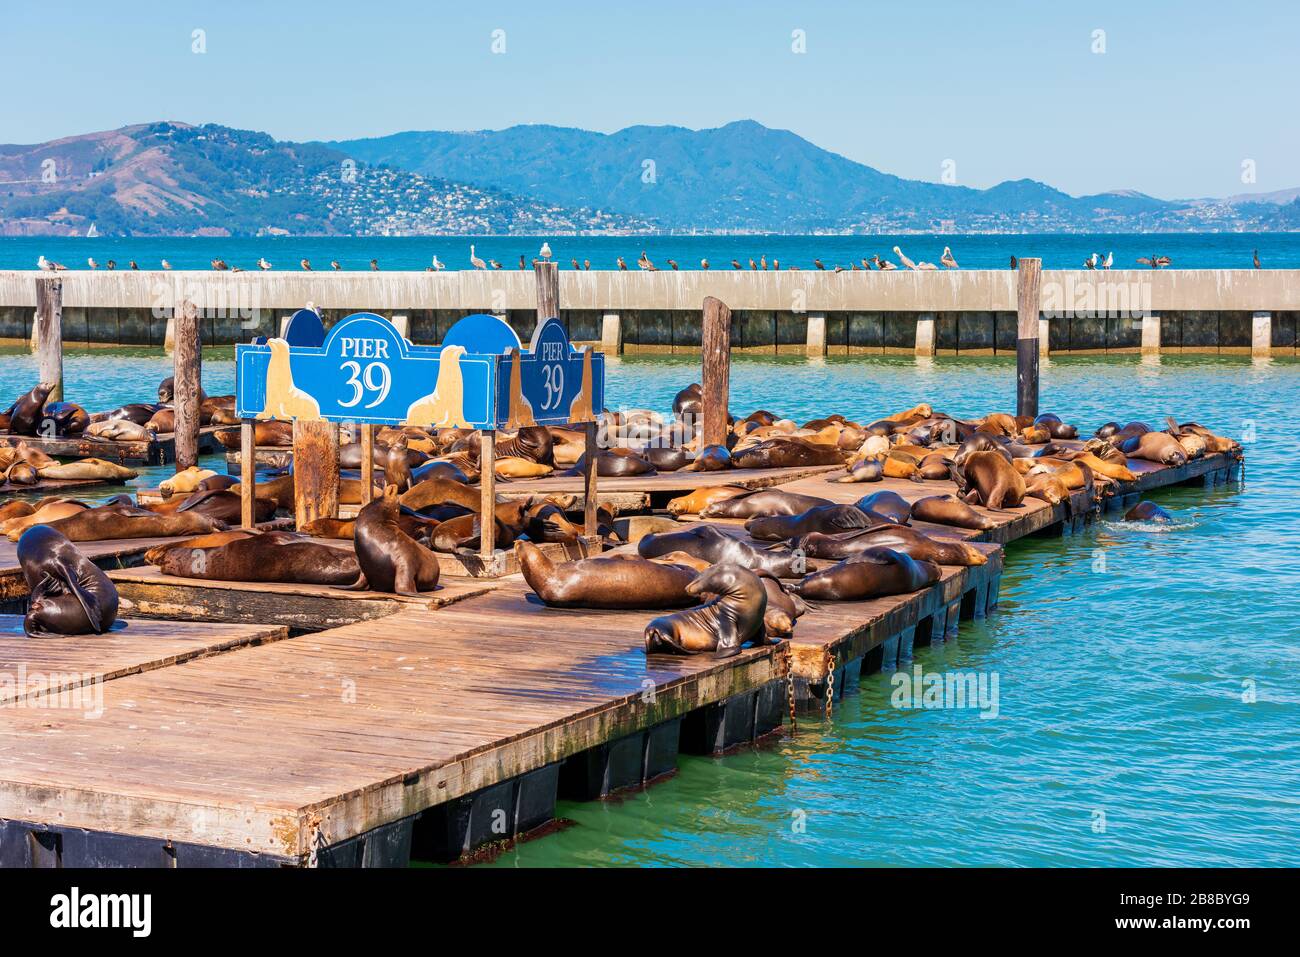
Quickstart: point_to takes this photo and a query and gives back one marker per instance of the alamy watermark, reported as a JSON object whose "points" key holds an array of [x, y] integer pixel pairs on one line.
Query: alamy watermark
{"points": [[52, 691], [946, 690]]}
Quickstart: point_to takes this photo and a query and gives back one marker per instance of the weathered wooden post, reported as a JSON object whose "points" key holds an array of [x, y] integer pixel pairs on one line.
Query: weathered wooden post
{"points": [[47, 334], [548, 290], [715, 340], [187, 369], [487, 464], [368, 463], [590, 523], [1028, 310], [315, 470], [247, 474]]}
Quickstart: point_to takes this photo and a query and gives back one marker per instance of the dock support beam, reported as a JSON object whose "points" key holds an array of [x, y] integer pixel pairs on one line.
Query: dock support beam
{"points": [[315, 471], [1029, 275], [1261, 335], [187, 366], [368, 463], [247, 474], [47, 334], [611, 334], [1151, 335], [548, 290], [715, 340], [487, 482], [1044, 339], [590, 518], [925, 343], [816, 343]]}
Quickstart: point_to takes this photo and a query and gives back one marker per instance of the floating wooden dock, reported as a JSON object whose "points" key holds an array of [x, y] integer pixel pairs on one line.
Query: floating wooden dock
{"points": [[434, 730], [54, 485], [158, 450]]}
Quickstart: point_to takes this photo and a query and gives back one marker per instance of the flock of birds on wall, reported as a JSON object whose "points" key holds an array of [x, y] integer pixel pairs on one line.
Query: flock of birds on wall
{"points": [[1095, 261]]}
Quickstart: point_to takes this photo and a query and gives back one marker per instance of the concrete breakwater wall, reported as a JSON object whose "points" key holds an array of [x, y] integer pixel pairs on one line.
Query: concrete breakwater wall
{"points": [[799, 312]]}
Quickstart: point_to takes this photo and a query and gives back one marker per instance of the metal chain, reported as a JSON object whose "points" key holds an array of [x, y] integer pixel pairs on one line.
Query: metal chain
{"points": [[788, 663], [830, 684]]}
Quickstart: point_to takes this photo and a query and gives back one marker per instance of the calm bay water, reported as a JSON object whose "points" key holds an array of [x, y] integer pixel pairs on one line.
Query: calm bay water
{"points": [[1188, 250], [1147, 694]]}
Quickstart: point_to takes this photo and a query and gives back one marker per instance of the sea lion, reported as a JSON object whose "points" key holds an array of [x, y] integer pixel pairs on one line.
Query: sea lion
{"points": [[442, 470], [118, 430], [513, 467], [624, 582], [1145, 511], [350, 452], [64, 418], [265, 557], [717, 547], [721, 625], [216, 481], [889, 504], [391, 560], [225, 506], [986, 478], [70, 595], [44, 513], [949, 510], [464, 532], [863, 470], [533, 444], [711, 458], [666, 459], [616, 462], [1158, 447], [164, 420], [167, 390], [784, 608], [186, 480], [20, 473], [786, 453], [137, 413], [116, 522], [819, 518], [88, 469], [394, 459], [998, 423], [441, 491], [274, 433], [874, 573], [762, 502], [1111, 470], [27, 410], [280, 491], [154, 556], [694, 502], [1055, 427], [980, 442], [15, 508], [689, 401], [901, 538]]}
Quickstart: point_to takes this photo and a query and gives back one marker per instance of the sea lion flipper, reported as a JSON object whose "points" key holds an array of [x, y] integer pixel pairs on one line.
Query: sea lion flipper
{"points": [[84, 598], [359, 585]]}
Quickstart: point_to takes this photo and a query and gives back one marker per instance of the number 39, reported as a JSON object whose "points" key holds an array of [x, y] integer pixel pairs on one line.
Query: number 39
{"points": [[375, 378], [554, 385]]}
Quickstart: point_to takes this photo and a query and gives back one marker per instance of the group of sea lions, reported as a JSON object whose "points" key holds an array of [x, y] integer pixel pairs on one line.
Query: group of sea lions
{"points": [[23, 465]]}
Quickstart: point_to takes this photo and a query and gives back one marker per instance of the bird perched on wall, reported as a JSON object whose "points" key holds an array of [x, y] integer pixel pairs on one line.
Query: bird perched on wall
{"points": [[586, 264], [494, 264], [1108, 261], [474, 260], [1257, 265], [645, 263], [926, 265], [704, 264], [438, 265], [839, 268], [1015, 264], [735, 264], [166, 264], [374, 265], [49, 266], [1155, 262], [263, 264], [111, 264], [818, 263], [776, 264], [866, 264], [334, 264], [884, 264], [673, 264], [621, 264], [1091, 262], [752, 264], [305, 264], [947, 259], [907, 263], [91, 263], [574, 262], [133, 264], [522, 264], [546, 252]]}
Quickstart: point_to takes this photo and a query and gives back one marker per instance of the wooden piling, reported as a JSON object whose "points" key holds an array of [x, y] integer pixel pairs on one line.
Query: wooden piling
{"points": [[315, 471], [487, 463], [247, 474], [187, 366], [715, 342], [590, 521], [368, 463], [1028, 312], [548, 290], [47, 333]]}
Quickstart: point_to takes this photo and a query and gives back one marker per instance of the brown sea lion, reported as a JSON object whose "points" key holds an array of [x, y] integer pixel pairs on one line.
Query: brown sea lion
{"points": [[986, 478], [616, 462], [666, 459], [26, 414], [949, 510], [390, 560], [63, 418], [167, 390], [43, 514], [116, 522], [70, 595], [441, 491], [717, 547], [784, 608], [625, 582], [762, 502], [711, 458], [164, 420], [154, 556], [216, 481], [998, 423], [887, 503], [533, 443], [689, 401], [20, 473], [1145, 511], [280, 490], [137, 413], [394, 460], [88, 469], [1110, 470], [513, 467], [118, 430], [442, 470], [225, 506], [15, 508], [863, 470], [901, 538], [1158, 447], [721, 625], [819, 518], [1214, 442], [463, 532], [873, 573], [786, 453], [265, 557], [980, 442], [186, 480], [269, 432], [1055, 427], [693, 502]]}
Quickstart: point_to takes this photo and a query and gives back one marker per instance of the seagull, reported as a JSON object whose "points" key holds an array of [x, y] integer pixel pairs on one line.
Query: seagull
{"points": [[762, 261], [437, 265], [704, 264], [586, 264], [645, 263], [818, 264], [673, 263], [374, 265], [903, 259], [91, 263], [48, 266], [475, 261], [866, 264], [1257, 265], [305, 264], [546, 251], [219, 264], [262, 264], [166, 264], [621, 264], [334, 264], [947, 259], [776, 264], [1110, 259], [1091, 262], [494, 264], [133, 265]]}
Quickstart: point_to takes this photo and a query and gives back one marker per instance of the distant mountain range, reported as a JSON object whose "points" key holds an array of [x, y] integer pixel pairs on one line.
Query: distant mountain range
{"points": [[177, 179]]}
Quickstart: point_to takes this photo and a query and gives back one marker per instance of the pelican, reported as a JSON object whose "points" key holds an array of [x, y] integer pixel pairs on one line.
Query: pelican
{"points": [[752, 264], [166, 264], [1109, 261], [546, 251], [1015, 264], [866, 263], [762, 261], [48, 266], [621, 264], [839, 268], [91, 263], [521, 262], [947, 259], [818, 264], [776, 264], [704, 264], [926, 265], [735, 264], [494, 264], [1257, 265], [574, 261], [334, 264], [111, 264], [586, 264], [884, 264], [673, 263], [474, 260], [305, 264], [133, 265], [645, 263], [374, 265], [219, 264], [907, 263], [1155, 262], [263, 265], [438, 265], [1091, 262]]}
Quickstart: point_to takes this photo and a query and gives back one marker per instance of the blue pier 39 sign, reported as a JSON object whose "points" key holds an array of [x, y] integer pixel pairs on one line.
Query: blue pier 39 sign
{"points": [[365, 371]]}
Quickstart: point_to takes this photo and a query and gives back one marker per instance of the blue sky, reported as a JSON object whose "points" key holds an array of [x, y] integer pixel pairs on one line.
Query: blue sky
{"points": [[1183, 94]]}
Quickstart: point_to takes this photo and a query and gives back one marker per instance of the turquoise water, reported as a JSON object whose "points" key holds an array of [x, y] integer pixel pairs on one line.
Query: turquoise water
{"points": [[1147, 707], [1187, 250]]}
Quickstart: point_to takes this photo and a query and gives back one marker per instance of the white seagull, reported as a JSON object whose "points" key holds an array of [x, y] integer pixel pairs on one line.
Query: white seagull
{"points": [[437, 265], [546, 251], [1109, 261], [263, 264], [91, 263]]}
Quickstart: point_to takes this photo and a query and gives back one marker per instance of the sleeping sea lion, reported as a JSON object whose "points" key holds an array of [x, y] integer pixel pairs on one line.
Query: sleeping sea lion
{"points": [[442, 470], [1158, 447], [988, 479], [44, 513], [871, 574], [20, 473], [15, 508], [464, 532], [819, 518], [118, 430], [225, 506], [265, 557], [615, 462], [514, 467], [164, 420], [1055, 427], [901, 538], [717, 547], [441, 491], [63, 418], [186, 480], [783, 608], [116, 522], [532, 443], [624, 582], [786, 453], [721, 625], [863, 470], [666, 459], [949, 510], [137, 413], [762, 502], [391, 560], [693, 502], [70, 595], [887, 503], [167, 390], [88, 469], [711, 458]]}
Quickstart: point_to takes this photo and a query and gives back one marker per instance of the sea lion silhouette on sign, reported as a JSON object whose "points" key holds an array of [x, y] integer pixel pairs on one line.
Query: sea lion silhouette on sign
{"points": [[521, 410], [444, 407], [284, 400], [580, 408]]}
